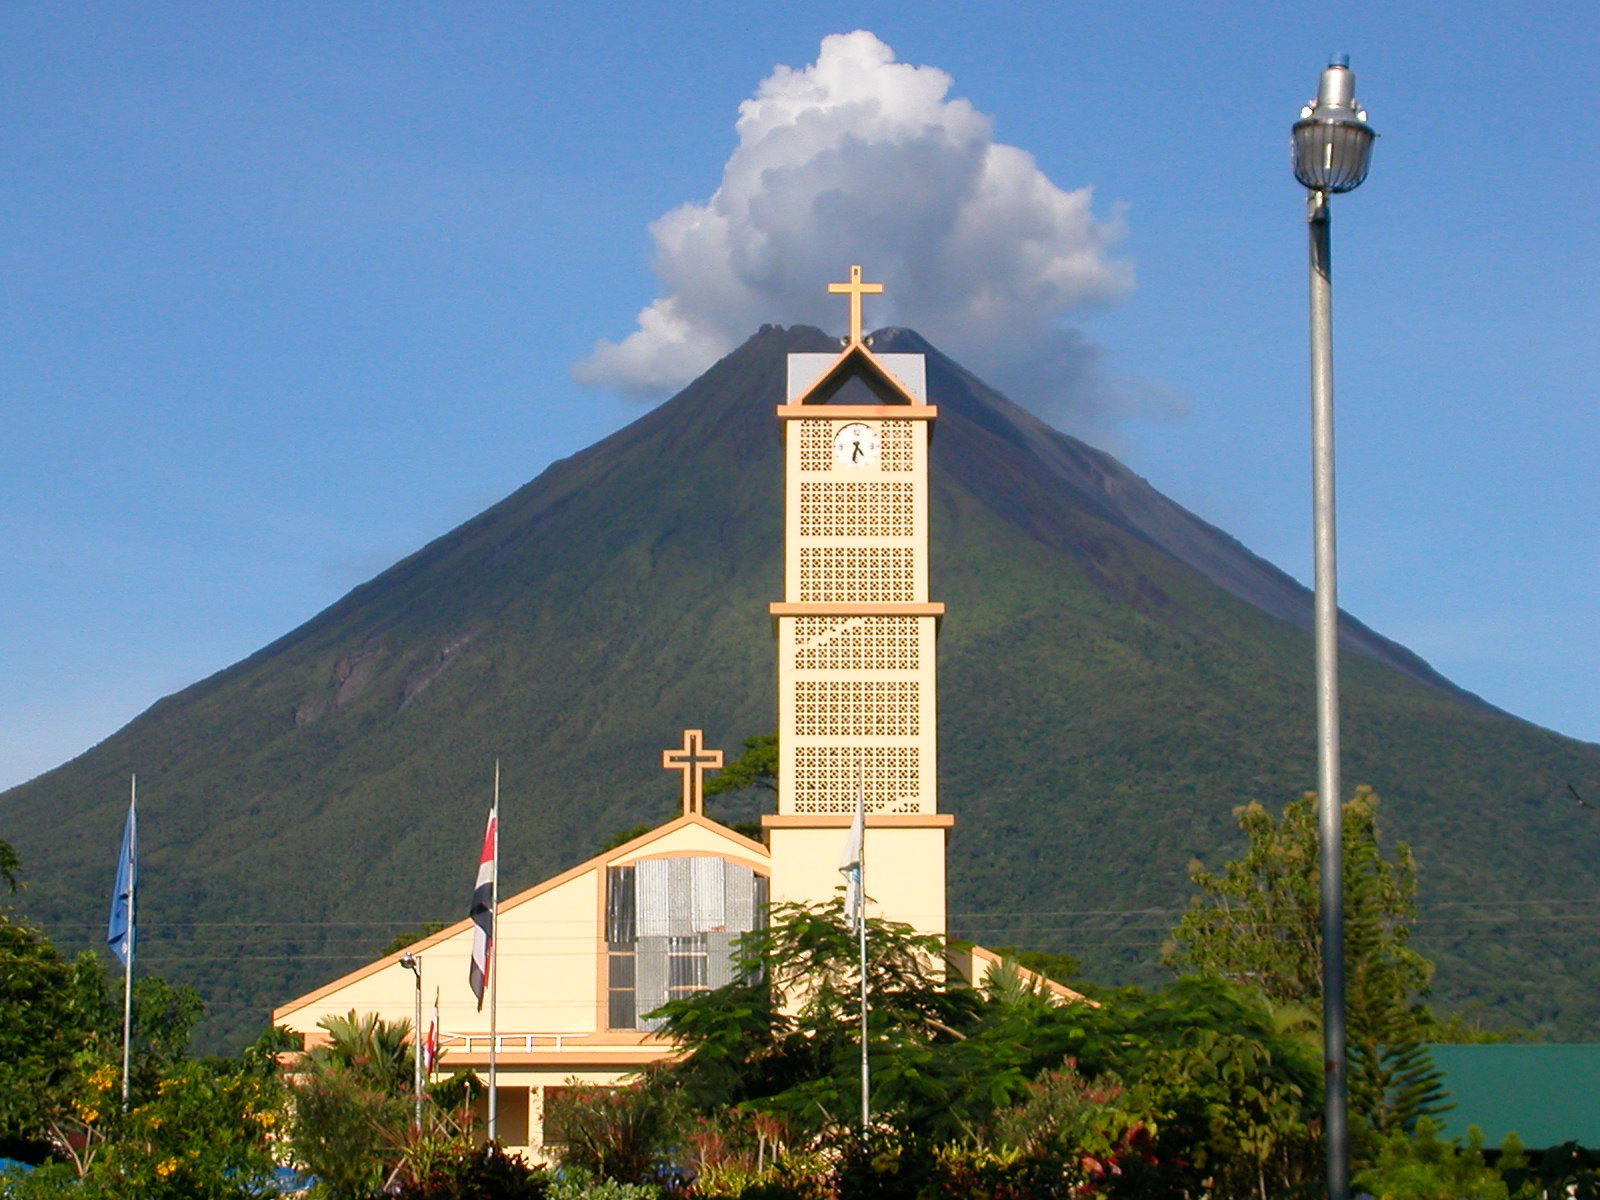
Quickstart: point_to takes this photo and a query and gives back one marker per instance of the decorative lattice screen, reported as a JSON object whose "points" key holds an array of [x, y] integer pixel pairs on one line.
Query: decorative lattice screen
{"points": [[895, 442], [857, 708], [826, 778], [896, 439], [857, 644], [857, 573], [816, 445], [856, 510]]}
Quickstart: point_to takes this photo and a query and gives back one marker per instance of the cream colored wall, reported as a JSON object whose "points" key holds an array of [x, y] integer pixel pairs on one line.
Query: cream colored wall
{"points": [[691, 839], [551, 962], [550, 957], [546, 959], [905, 878], [920, 798], [823, 715]]}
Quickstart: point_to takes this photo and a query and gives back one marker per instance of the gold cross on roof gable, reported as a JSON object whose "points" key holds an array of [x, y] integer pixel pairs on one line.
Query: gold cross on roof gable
{"points": [[856, 289], [694, 761]]}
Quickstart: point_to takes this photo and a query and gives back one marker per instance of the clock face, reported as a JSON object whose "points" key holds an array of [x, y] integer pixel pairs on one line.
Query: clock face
{"points": [[856, 445]]}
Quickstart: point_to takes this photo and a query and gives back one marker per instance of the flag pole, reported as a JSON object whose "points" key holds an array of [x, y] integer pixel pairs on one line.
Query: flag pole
{"points": [[127, 962], [494, 963], [861, 933]]}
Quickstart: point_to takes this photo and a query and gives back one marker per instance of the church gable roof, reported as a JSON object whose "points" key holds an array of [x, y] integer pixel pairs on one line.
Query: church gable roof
{"points": [[692, 833], [856, 362]]}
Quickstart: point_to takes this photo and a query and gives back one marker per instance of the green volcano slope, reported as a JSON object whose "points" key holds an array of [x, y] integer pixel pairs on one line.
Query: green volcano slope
{"points": [[1116, 676]]}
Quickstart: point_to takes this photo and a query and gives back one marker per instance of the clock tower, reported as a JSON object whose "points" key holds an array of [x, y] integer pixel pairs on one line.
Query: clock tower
{"points": [[856, 663]]}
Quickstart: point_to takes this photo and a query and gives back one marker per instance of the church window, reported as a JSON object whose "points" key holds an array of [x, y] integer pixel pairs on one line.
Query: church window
{"points": [[671, 928]]}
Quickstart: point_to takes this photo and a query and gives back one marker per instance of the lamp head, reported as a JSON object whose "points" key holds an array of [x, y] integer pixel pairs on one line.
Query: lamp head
{"points": [[1331, 143], [408, 960]]}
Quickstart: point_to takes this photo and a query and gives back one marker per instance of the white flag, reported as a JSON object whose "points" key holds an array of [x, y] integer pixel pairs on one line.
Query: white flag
{"points": [[851, 862]]}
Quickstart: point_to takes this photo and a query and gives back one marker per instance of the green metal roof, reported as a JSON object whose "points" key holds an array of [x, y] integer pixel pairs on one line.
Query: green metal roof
{"points": [[1546, 1093]]}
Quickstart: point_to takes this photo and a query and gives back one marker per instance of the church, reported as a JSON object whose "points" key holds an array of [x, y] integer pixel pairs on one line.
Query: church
{"points": [[583, 958]]}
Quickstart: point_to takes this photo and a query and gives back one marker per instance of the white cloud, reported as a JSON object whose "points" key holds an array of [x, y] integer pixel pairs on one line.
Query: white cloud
{"points": [[859, 158]]}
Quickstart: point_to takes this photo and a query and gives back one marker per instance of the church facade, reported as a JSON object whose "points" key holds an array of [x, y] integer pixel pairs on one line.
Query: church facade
{"points": [[585, 957]]}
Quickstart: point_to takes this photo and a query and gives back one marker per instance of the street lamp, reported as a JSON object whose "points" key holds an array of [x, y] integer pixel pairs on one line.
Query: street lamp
{"points": [[413, 964], [1332, 147]]}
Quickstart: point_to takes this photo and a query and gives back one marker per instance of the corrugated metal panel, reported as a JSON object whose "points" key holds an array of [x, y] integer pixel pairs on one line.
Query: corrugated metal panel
{"points": [[680, 897], [652, 892], [719, 958], [709, 903], [739, 897], [650, 977]]}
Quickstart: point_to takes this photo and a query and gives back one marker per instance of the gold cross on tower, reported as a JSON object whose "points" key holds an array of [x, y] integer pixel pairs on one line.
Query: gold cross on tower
{"points": [[694, 761], [856, 289]]}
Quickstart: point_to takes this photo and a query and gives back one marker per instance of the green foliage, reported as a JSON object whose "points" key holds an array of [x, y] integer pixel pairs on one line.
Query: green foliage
{"points": [[614, 1133], [578, 1185], [1459, 1029], [410, 937], [53, 1017], [10, 867], [622, 837], [202, 1136], [1567, 1171], [1234, 1109], [756, 769], [456, 1092], [1196, 1087], [789, 1043], [623, 594], [346, 1129], [1061, 1113], [352, 1104], [1419, 1166], [368, 1047], [1258, 923], [163, 1016], [469, 1172], [1063, 968]]}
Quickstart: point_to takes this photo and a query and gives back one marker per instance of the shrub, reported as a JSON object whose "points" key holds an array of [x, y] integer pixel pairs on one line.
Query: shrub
{"points": [[478, 1173]]}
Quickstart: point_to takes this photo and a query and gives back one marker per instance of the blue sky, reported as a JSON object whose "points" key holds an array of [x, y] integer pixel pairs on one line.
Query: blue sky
{"points": [[290, 289]]}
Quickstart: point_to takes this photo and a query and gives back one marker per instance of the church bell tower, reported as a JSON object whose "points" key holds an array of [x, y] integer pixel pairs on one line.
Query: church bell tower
{"points": [[857, 706]]}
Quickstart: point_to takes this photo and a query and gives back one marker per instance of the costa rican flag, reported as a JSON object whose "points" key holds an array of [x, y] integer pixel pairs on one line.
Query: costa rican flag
{"points": [[430, 1044], [482, 914]]}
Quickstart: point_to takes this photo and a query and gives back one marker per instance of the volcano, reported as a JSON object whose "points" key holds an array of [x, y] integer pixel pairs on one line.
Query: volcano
{"points": [[1116, 676]]}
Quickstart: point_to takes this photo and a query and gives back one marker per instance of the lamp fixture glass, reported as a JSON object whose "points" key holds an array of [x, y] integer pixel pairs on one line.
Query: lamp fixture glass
{"points": [[1332, 142]]}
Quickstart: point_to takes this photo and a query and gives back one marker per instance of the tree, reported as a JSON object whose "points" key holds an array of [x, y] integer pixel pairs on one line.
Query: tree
{"points": [[784, 1038], [10, 867], [53, 1013], [755, 769], [1257, 923], [352, 1103]]}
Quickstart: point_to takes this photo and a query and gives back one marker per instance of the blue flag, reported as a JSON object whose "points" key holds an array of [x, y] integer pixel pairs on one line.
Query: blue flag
{"points": [[119, 932]]}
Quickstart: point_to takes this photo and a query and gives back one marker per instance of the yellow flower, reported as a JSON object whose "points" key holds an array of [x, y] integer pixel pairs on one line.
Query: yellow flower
{"points": [[102, 1077], [166, 1167]]}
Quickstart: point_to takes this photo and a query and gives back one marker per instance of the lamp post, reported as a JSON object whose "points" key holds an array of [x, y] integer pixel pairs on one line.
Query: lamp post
{"points": [[413, 964], [1332, 148]]}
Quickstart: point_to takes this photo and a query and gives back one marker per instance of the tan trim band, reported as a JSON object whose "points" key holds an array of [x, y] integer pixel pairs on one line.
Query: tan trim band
{"points": [[845, 412], [856, 608], [843, 820]]}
